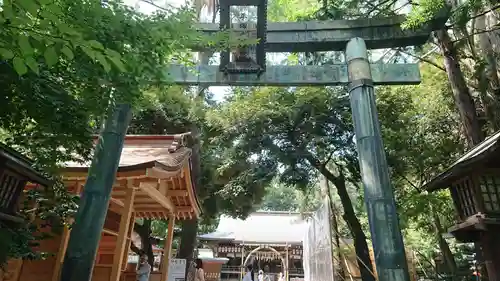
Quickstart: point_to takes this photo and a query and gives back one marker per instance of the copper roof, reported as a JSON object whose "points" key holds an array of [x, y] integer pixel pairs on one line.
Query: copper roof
{"points": [[480, 153], [159, 167], [168, 151]]}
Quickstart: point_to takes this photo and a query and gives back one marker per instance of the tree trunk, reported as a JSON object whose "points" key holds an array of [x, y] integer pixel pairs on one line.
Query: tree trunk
{"points": [[490, 76], [144, 231], [338, 265], [188, 241], [449, 259], [190, 227], [461, 94], [360, 245]]}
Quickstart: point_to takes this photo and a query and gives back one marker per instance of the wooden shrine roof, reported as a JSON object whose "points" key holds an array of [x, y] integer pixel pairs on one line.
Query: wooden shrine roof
{"points": [[470, 161], [22, 165], [158, 167]]}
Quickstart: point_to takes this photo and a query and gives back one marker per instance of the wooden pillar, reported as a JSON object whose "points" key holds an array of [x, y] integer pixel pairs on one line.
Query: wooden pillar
{"points": [[242, 272], [167, 250], [286, 262], [121, 241], [129, 241], [60, 254], [491, 248]]}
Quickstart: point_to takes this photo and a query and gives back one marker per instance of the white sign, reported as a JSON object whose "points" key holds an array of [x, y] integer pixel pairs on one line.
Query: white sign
{"points": [[177, 270]]}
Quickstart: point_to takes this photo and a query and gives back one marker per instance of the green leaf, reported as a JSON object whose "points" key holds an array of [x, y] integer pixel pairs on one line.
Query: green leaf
{"points": [[29, 5], [8, 12], [112, 53], [118, 63], [24, 44], [45, 2], [50, 56], [67, 29], [67, 52], [19, 66], [96, 45], [89, 52], [32, 64], [6, 54], [48, 15], [102, 60]]}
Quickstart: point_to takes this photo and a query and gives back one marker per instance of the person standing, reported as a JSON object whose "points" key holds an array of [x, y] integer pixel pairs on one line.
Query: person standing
{"points": [[260, 277], [249, 275], [199, 273], [281, 277], [144, 269]]}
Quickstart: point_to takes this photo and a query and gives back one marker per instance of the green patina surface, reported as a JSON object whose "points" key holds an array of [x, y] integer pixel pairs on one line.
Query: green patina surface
{"points": [[314, 36], [89, 220], [209, 75]]}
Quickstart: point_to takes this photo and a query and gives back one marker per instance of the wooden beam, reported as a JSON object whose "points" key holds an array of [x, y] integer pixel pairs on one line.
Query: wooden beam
{"points": [[163, 187], [151, 190], [60, 254], [121, 242], [110, 232], [167, 250], [190, 189], [129, 241], [160, 173], [152, 208], [117, 202], [177, 193]]}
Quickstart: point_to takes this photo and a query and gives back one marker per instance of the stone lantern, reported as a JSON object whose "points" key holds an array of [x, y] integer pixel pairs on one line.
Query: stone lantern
{"points": [[15, 171], [474, 183], [244, 59]]}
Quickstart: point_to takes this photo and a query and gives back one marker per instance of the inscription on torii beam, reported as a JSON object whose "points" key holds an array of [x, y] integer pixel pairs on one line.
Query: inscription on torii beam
{"points": [[330, 75]]}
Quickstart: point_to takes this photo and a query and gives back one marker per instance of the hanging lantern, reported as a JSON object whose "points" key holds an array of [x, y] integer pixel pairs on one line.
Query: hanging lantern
{"points": [[244, 59]]}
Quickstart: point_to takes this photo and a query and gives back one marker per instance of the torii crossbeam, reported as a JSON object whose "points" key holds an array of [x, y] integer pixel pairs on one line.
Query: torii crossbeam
{"points": [[315, 36]]}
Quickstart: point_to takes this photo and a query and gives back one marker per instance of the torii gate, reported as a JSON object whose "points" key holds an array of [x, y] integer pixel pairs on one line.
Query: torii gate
{"points": [[354, 36]]}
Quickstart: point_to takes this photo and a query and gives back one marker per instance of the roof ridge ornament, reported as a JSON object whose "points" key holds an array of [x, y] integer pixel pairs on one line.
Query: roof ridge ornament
{"points": [[180, 140]]}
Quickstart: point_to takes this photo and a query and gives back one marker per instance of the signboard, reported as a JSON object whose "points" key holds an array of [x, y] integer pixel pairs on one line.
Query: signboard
{"points": [[177, 270]]}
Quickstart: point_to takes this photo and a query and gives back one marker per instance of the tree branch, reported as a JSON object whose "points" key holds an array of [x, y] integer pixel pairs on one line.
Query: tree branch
{"points": [[328, 159], [475, 33], [422, 59]]}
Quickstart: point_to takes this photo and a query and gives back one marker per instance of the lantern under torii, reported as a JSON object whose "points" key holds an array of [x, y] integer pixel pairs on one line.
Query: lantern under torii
{"points": [[245, 59]]}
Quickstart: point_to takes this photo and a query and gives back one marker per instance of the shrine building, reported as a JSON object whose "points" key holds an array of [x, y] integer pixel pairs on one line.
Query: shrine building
{"points": [[271, 241], [153, 181]]}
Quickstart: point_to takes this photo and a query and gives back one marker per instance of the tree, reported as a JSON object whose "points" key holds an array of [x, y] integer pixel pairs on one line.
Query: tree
{"points": [[66, 62], [456, 42], [280, 197], [228, 187], [301, 130], [421, 132]]}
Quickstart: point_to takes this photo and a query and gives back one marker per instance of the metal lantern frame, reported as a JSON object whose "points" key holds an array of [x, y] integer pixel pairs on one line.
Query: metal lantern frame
{"points": [[226, 65]]}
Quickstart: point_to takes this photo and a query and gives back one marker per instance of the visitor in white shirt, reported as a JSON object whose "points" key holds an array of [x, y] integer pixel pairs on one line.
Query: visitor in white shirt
{"points": [[144, 269], [260, 277], [249, 275]]}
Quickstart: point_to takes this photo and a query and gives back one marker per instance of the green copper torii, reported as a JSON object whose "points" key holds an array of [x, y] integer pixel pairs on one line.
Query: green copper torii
{"points": [[388, 247], [356, 35], [86, 232]]}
